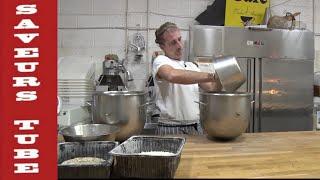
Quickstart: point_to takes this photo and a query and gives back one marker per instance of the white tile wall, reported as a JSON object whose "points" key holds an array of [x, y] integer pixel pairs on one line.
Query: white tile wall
{"points": [[116, 21], [108, 6], [317, 54], [86, 21], [76, 7], [138, 20], [59, 39], [81, 38], [97, 27], [317, 45], [317, 61], [153, 5], [317, 17], [156, 20], [175, 8], [137, 5], [69, 51], [68, 21], [108, 37], [198, 7], [151, 42]]}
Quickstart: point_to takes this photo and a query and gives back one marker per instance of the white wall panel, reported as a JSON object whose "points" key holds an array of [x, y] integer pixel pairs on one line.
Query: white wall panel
{"points": [[75, 6], [66, 51], [197, 7], [153, 5], [109, 6], [59, 38], [116, 21], [67, 21], [137, 20], [156, 20], [175, 7], [317, 16], [184, 23], [137, 5], [77, 38], [317, 43], [152, 43], [86, 21], [108, 37]]}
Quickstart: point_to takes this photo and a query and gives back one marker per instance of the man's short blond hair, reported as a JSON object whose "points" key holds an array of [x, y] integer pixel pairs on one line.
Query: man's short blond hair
{"points": [[162, 29]]}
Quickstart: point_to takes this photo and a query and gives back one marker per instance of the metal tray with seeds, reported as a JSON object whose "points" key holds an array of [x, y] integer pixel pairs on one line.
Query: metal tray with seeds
{"points": [[147, 157], [94, 150]]}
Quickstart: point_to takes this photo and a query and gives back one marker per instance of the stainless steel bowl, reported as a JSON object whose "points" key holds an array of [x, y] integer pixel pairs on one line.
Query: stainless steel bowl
{"points": [[225, 115], [126, 109], [90, 132], [229, 72]]}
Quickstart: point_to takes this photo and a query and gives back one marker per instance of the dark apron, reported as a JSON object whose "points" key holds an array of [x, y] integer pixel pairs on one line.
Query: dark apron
{"points": [[192, 129]]}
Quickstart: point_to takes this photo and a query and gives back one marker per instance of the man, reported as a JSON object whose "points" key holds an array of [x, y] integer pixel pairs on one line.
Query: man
{"points": [[177, 85]]}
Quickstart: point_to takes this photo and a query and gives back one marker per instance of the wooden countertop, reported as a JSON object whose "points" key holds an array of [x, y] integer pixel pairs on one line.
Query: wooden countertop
{"points": [[252, 155]]}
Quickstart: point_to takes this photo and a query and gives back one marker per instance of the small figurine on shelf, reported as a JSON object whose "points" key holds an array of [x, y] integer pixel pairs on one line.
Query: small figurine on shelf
{"points": [[283, 22]]}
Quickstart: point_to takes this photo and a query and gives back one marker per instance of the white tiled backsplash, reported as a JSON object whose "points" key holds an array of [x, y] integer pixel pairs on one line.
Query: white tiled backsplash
{"points": [[93, 27], [317, 61]]}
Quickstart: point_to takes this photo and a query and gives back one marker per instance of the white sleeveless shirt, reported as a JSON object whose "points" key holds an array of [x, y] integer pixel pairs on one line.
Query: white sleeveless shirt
{"points": [[176, 102]]}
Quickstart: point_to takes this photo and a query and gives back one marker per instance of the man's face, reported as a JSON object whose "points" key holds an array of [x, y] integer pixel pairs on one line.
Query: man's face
{"points": [[173, 44]]}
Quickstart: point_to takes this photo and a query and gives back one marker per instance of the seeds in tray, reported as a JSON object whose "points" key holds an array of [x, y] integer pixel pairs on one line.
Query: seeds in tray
{"points": [[84, 161], [157, 153]]}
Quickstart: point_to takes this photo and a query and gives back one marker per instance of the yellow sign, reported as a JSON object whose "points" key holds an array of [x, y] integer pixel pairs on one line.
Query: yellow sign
{"points": [[245, 12]]}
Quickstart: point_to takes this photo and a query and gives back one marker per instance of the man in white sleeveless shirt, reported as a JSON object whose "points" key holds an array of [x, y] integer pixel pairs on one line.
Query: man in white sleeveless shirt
{"points": [[177, 85]]}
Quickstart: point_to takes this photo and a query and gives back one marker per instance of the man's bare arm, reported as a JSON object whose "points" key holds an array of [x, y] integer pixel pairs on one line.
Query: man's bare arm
{"points": [[180, 76]]}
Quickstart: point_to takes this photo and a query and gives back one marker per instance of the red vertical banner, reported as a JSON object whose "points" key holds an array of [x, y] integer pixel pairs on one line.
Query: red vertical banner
{"points": [[28, 93]]}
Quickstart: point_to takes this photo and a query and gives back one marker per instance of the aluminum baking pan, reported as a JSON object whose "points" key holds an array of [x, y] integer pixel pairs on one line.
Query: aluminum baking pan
{"points": [[128, 162], [98, 149]]}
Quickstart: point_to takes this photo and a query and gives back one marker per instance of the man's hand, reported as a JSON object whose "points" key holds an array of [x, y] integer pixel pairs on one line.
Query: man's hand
{"points": [[215, 84]]}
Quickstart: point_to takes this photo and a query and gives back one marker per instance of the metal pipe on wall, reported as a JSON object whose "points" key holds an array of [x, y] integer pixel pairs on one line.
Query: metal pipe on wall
{"points": [[313, 22], [126, 33], [313, 18], [147, 43]]}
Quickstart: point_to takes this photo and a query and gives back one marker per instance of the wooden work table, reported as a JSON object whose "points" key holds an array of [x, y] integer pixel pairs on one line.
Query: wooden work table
{"points": [[252, 155]]}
